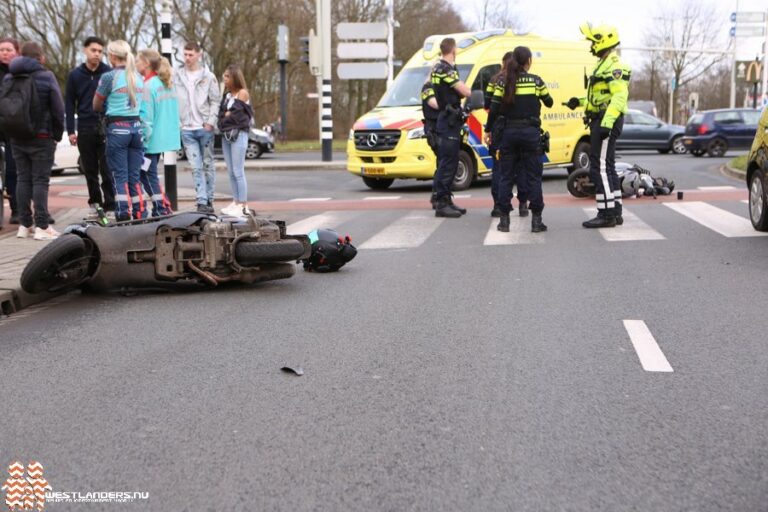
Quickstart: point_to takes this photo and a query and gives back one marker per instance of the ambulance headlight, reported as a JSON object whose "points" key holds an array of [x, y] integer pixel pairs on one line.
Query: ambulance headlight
{"points": [[416, 133]]}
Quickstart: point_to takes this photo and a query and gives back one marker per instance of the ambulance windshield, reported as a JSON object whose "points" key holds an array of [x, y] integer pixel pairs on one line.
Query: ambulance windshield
{"points": [[406, 90]]}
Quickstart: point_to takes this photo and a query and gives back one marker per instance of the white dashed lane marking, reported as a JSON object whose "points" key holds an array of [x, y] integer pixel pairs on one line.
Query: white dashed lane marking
{"points": [[648, 351]]}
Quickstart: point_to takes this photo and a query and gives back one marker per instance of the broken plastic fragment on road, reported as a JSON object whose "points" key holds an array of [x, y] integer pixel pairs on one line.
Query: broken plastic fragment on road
{"points": [[297, 370]]}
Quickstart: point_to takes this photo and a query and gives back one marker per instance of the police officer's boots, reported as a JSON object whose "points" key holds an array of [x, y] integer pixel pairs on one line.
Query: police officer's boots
{"points": [[503, 225], [604, 219], [523, 209], [452, 205], [443, 209], [433, 201], [537, 226], [617, 213]]}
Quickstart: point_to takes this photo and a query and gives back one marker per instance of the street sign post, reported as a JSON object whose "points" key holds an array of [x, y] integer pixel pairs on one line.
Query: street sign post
{"points": [[362, 30], [748, 17], [362, 70], [747, 31], [367, 42], [362, 50]]}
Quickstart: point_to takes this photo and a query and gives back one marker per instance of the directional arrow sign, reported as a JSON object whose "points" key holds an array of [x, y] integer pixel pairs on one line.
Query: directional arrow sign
{"points": [[362, 70], [362, 51], [748, 17], [362, 30]]}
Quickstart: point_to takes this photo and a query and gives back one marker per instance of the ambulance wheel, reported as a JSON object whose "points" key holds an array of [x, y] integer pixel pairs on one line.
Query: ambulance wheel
{"points": [[465, 173], [580, 157], [378, 183]]}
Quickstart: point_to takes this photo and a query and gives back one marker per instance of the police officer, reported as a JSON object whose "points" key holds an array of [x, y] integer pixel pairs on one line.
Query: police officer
{"points": [[518, 100], [448, 91], [430, 111], [605, 106], [493, 148]]}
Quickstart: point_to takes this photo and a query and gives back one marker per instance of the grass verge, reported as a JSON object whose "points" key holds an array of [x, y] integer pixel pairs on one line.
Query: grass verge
{"points": [[739, 163], [308, 145]]}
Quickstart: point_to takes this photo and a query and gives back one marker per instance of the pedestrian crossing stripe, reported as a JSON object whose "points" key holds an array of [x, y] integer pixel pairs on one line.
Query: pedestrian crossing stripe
{"points": [[407, 232], [633, 228], [519, 233], [721, 221], [416, 227]]}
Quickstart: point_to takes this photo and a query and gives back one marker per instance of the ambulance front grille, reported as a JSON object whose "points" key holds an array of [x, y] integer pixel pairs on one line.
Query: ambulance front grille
{"points": [[376, 140]]}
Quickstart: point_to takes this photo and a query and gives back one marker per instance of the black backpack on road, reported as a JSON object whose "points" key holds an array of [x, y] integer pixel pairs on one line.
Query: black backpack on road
{"points": [[19, 107]]}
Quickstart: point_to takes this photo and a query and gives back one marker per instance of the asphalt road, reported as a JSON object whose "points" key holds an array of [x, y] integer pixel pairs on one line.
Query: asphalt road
{"points": [[442, 373]]}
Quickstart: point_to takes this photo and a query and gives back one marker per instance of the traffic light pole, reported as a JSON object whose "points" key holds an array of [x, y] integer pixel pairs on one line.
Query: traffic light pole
{"points": [[283, 103], [324, 80], [169, 157]]}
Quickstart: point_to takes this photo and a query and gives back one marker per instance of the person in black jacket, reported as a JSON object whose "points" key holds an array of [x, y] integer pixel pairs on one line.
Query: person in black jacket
{"points": [[88, 136], [34, 157], [518, 99], [493, 148], [9, 50], [235, 115]]}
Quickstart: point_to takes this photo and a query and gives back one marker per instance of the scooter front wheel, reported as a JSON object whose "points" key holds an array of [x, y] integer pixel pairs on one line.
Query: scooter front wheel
{"points": [[60, 266], [580, 185]]}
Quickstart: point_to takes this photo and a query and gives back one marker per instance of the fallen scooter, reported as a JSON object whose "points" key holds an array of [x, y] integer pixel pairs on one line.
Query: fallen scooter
{"points": [[634, 181], [185, 250]]}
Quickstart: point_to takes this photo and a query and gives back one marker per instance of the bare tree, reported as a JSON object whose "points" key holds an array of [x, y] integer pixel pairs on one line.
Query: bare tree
{"points": [[499, 14], [686, 27]]}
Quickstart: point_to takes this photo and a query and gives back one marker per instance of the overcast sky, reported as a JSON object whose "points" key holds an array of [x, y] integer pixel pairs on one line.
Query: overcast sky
{"points": [[561, 19]]}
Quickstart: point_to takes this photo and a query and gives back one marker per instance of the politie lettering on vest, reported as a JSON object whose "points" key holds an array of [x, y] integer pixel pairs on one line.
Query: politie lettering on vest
{"points": [[605, 106]]}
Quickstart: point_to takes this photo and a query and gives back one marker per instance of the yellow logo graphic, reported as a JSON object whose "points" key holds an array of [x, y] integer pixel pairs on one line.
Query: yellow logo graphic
{"points": [[25, 493]]}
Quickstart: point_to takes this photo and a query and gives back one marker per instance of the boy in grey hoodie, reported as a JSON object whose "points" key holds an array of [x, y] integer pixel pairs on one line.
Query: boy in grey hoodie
{"points": [[199, 97]]}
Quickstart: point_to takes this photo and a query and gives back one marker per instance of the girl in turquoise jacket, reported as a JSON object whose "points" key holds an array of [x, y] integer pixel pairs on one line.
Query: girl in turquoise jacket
{"points": [[160, 120]]}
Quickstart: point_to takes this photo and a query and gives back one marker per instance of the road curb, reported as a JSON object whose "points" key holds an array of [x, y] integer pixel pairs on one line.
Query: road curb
{"points": [[734, 173], [299, 166]]}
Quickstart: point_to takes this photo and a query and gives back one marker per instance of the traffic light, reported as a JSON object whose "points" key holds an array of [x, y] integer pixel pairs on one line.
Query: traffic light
{"points": [[310, 51]]}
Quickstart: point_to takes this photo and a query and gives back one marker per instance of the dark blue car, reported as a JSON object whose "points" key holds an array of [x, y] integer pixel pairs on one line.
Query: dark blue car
{"points": [[716, 131]]}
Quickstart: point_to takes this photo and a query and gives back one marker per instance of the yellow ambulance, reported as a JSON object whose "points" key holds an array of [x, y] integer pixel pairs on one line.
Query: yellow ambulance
{"points": [[388, 142]]}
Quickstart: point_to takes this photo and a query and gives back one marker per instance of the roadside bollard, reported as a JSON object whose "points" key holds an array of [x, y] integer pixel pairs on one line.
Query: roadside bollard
{"points": [[679, 195]]}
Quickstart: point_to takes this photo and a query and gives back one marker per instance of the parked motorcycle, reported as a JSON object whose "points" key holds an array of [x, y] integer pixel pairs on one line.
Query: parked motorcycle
{"points": [[176, 251]]}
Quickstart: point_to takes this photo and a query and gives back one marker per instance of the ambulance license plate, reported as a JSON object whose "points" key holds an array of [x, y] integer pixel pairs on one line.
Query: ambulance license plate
{"points": [[372, 171]]}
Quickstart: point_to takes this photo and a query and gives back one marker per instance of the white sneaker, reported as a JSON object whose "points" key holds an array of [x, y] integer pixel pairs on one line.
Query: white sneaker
{"points": [[46, 234], [23, 232], [230, 208]]}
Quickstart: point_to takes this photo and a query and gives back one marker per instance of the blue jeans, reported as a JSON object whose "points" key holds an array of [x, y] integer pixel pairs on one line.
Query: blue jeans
{"points": [[125, 152], [198, 146], [151, 182], [234, 155]]}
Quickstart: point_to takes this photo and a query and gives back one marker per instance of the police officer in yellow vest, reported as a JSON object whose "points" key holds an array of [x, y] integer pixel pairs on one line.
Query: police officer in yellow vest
{"points": [[605, 106]]}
